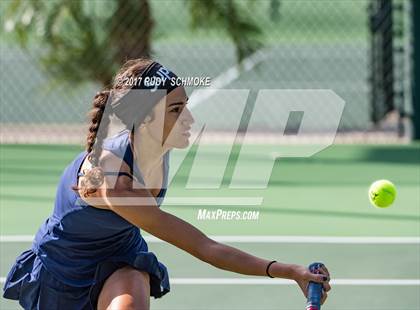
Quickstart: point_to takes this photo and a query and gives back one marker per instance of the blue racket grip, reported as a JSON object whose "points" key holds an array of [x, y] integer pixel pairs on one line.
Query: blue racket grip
{"points": [[314, 290]]}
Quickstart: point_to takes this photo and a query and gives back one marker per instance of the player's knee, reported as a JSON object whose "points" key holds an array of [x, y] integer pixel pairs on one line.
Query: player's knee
{"points": [[126, 302], [127, 288]]}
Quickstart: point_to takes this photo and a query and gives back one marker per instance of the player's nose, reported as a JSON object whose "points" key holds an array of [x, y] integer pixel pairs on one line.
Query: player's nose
{"points": [[187, 117]]}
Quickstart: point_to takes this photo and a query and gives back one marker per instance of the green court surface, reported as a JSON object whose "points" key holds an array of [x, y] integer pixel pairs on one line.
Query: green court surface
{"points": [[322, 196]]}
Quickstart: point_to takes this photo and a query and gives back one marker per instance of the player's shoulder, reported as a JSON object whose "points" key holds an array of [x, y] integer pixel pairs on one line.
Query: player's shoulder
{"points": [[117, 142], [116, 176], [110, 162]]}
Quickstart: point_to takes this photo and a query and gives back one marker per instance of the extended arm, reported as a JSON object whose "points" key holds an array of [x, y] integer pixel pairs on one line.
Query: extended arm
{"points": [[183, 235], [139, 207]]}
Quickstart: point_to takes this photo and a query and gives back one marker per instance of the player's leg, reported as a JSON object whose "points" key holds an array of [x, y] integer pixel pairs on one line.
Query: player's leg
{"points": [[127, 288]]}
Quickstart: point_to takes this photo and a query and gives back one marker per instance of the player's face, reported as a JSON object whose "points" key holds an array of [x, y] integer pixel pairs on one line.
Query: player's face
{"points": [[172, 120]]}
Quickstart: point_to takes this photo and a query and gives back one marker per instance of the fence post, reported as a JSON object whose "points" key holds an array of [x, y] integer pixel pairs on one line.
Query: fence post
{"points": [[416, 69]]}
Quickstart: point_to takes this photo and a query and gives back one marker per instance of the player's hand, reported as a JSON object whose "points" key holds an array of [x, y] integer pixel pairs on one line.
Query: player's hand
{"points": [[303, 276]]}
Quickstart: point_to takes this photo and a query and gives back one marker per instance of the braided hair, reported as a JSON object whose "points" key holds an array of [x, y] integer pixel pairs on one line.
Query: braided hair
{"points": [[94, 177]]}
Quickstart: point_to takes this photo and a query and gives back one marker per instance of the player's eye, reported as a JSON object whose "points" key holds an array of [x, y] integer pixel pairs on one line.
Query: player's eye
{"points": [[177, 108]]}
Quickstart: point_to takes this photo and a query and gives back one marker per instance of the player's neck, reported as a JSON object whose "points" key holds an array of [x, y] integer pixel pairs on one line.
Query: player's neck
{"points": [[148, 150]]}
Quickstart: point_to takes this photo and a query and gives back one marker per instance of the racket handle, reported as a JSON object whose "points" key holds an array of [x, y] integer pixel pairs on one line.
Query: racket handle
{"points": [[314, 290]]}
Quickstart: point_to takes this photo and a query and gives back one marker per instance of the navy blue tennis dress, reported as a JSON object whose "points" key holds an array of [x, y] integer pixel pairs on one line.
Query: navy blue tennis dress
{"points": [[80, 246]]}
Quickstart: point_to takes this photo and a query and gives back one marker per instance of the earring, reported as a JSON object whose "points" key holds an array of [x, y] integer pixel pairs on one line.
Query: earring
{"points": [[147, 119]]}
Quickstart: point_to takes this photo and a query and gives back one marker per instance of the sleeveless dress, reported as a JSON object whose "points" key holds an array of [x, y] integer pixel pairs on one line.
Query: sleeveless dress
{"points": [[80, 246]]}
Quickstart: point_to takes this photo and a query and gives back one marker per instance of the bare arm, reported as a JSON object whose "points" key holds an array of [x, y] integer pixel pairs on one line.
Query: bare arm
{"points": [[183, 235], [140, 209]]}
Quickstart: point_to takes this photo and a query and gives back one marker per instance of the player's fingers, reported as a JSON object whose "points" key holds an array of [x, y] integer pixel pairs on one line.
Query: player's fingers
{"points": [[327, 286], [325, 269], [320, 278], [325, 274]]}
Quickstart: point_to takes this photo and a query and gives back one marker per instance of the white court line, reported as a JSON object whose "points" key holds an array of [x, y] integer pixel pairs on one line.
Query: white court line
{"points": [[270, 239], [214, 201], [335, 282], [185, 201], [236, 281]]}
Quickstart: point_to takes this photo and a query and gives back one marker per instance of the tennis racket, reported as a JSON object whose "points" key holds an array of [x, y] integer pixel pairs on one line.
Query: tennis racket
{"points": [[314, 290]]}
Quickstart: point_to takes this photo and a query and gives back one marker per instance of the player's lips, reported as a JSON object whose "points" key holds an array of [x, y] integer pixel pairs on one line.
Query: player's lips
{"points": [[186, 132]]}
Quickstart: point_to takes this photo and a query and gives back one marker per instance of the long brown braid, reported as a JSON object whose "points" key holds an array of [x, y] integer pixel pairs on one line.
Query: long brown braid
{"points": [[94, 177]]}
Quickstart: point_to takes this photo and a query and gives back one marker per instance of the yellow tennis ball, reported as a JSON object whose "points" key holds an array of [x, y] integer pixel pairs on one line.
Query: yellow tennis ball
{"points": [[382, 193]]}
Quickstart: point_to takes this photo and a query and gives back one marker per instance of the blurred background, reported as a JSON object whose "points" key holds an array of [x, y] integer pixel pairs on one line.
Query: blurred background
{"points": [[56, 54]]}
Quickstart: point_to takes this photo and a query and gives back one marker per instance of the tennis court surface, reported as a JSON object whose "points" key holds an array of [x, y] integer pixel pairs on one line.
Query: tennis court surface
{"points": [[313, 209]]}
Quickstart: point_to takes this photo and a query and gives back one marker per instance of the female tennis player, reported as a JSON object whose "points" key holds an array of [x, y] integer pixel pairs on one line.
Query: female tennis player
{"points": [[89, 254]]}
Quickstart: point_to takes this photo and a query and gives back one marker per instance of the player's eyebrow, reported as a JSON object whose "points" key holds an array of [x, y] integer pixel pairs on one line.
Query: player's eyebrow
{"points": [[178, 102]]}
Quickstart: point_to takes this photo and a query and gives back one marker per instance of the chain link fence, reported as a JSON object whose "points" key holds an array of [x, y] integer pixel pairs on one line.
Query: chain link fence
{"points": [[298, 45]]}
